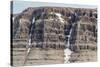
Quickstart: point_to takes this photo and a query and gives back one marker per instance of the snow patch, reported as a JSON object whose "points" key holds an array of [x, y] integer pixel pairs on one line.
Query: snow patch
{"points": [[59, 16], [30, 35], [67, 51], [67, 55], [33, 20]]}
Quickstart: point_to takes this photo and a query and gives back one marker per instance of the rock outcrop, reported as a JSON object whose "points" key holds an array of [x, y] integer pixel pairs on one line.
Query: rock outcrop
{"points": [[40, 35]]}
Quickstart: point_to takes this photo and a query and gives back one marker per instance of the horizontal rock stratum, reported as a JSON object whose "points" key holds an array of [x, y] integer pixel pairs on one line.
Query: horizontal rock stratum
{"points": [[52, 35]]}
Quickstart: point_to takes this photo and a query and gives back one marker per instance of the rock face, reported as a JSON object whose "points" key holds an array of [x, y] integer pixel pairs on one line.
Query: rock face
{"points": [[40, 36], [86, 40]]}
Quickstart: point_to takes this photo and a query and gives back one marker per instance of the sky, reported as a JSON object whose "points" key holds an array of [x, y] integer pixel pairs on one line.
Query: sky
{"points": [[19, 6]]}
